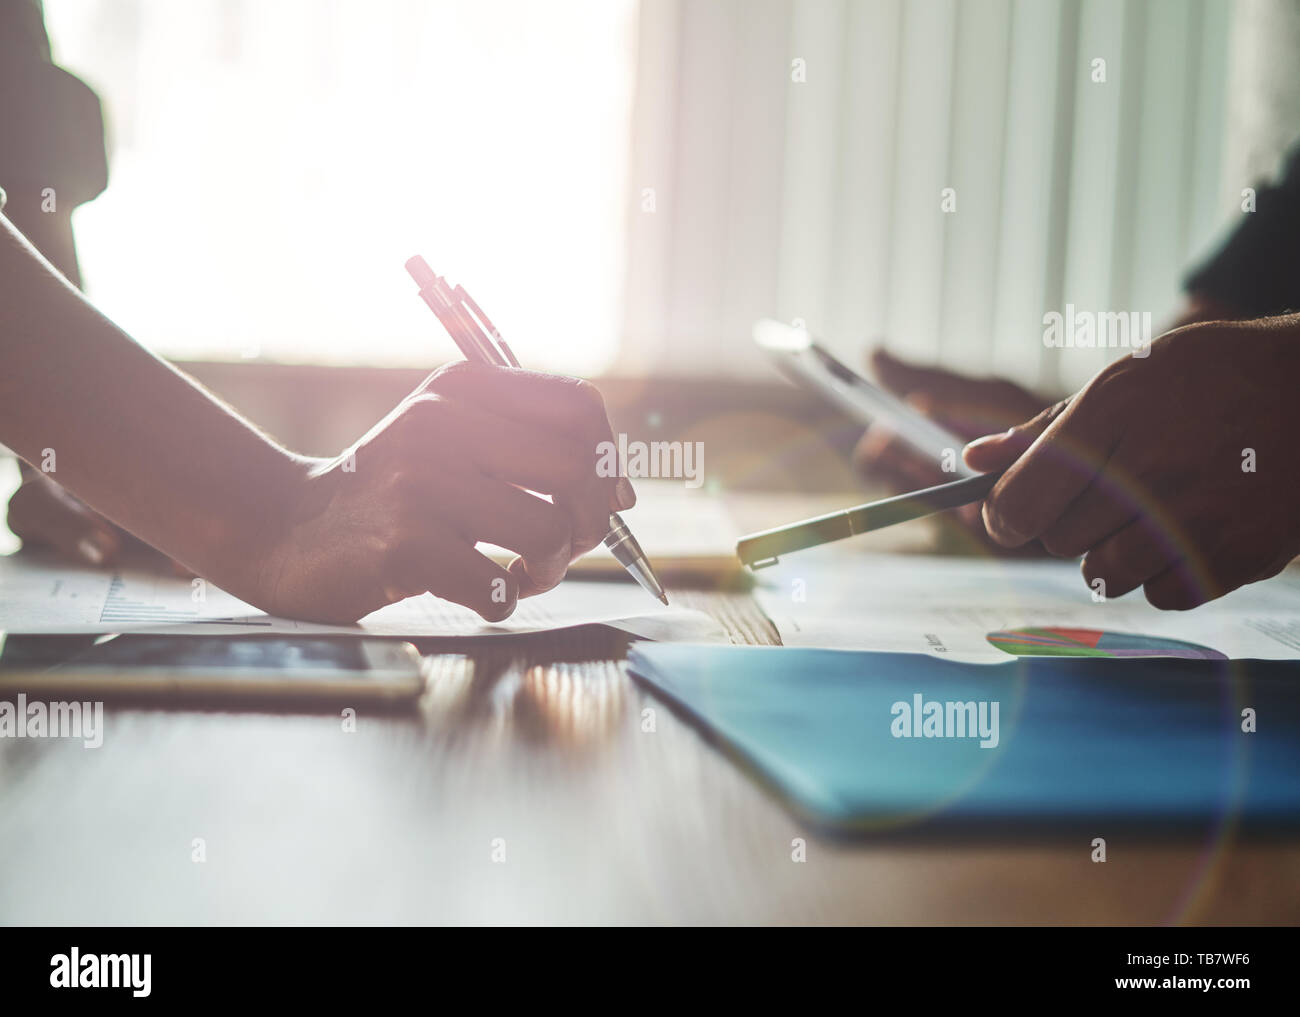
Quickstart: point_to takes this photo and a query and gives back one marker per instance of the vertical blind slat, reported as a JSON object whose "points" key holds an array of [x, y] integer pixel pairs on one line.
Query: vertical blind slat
{"points": [[976, 169], [813, 137], [925, 95], [859, 307], [1024, 255]]}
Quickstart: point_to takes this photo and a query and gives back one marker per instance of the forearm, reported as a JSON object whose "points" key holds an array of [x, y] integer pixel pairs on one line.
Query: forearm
{"points": [[127, 433]]}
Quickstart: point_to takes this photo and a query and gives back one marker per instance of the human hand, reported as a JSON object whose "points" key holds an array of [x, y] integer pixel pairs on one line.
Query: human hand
{"points": [[1174, 471], [43, 514], [968, 407], [454, 463]]}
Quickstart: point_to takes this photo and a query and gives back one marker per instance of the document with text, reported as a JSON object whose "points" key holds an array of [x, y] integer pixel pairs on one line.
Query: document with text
{"points": [[985, 610]]}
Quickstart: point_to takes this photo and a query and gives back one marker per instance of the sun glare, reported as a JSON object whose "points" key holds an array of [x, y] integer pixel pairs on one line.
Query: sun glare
{"points": [[274, 164]]}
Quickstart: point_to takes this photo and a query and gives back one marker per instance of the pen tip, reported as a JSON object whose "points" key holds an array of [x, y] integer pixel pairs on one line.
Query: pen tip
{"points": [[664, 598]]}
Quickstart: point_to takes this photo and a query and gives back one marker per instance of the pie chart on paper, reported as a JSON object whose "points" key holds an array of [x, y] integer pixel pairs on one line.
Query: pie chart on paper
{"points": [[1065, 642]]}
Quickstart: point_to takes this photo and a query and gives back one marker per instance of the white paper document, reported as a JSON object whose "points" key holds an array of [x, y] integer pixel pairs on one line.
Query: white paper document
{"points": [[40, 596], [984, 610]]}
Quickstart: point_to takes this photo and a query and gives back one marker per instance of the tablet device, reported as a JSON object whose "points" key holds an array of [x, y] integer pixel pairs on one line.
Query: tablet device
{"points": [[806, 362], [214, 669]]}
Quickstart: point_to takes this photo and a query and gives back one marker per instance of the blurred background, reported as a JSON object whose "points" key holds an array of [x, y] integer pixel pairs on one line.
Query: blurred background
{"points": [[626, 185]]}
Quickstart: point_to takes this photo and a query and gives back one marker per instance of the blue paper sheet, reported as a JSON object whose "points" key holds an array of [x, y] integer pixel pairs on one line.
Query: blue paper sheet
{"points": [[1158, 742]]}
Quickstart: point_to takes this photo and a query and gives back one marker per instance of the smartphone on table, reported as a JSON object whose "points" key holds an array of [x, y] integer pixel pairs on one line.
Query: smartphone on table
{"points": [[211, 669]]}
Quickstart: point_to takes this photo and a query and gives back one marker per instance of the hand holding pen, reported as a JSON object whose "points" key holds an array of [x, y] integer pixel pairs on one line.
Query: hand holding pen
{"points": [[477, 338]]}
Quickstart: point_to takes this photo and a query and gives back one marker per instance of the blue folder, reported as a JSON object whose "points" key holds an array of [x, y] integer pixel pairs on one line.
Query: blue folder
{"points": [[868, 741]]}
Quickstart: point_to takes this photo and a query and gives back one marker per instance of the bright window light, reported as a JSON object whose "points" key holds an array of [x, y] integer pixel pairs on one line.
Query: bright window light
{"points": [[274, 163]]}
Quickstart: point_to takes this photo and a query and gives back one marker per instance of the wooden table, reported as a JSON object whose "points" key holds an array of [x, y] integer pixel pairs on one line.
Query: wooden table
{"points": [[534, 752]]}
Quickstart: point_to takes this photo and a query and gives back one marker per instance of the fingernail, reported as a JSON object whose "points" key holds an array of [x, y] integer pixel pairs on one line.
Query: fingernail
{"points": [[91, 551], [624, 496], [990, 438]]}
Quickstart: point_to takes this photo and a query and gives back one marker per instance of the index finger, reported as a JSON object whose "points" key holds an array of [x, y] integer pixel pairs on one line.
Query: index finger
{"points": [[568, 405], [1056, 469]]}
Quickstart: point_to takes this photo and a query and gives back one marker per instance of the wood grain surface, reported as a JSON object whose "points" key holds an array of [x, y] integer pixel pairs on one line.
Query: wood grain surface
{"points": [[537, 747]]}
